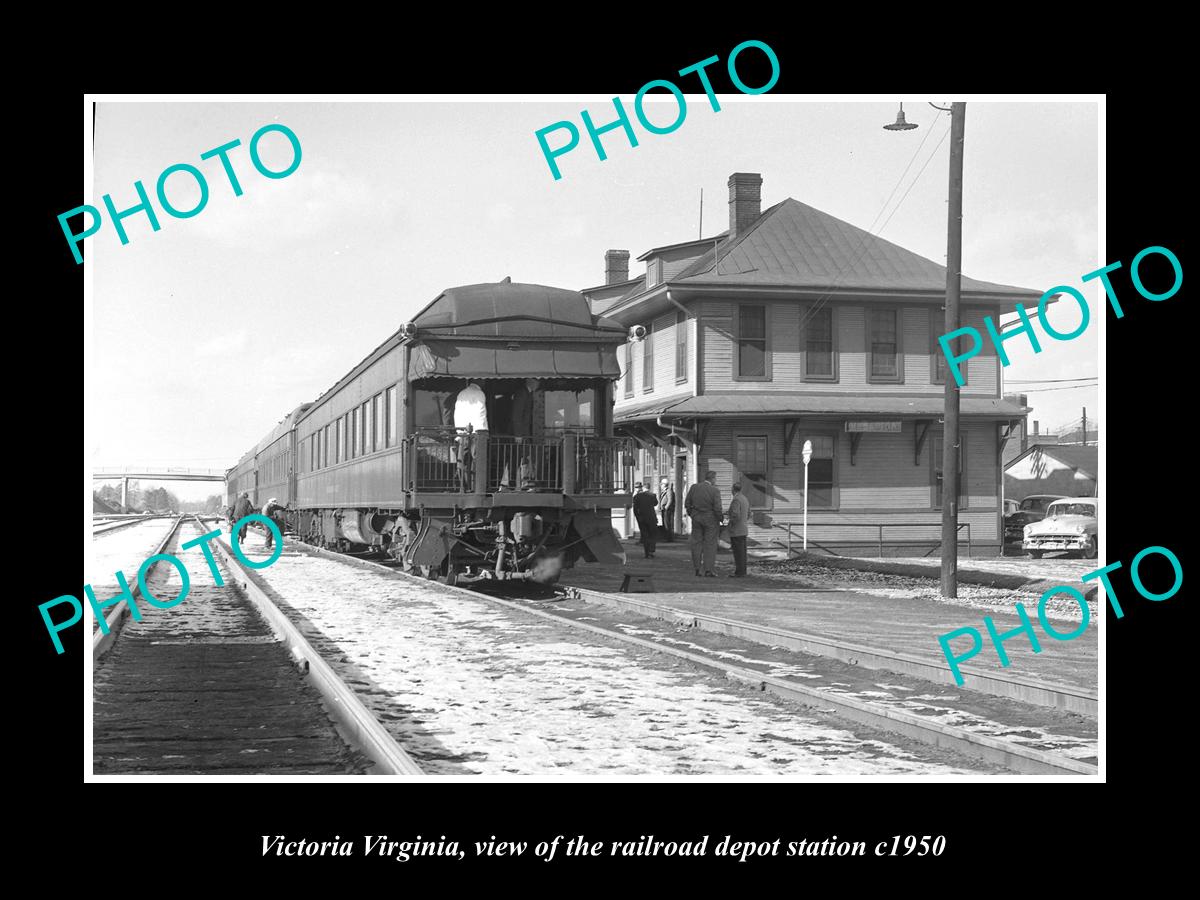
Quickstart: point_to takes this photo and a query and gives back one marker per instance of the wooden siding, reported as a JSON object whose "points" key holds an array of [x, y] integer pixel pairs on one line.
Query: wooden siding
{"points": [[884, 484], [784, 346], [665, 385]]}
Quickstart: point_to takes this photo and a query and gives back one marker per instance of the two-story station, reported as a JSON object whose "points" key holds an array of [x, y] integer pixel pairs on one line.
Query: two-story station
{"points": [[795, 326]]}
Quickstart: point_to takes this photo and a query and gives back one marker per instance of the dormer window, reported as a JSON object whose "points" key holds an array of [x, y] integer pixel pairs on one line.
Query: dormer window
{"points": [[654, 272]]}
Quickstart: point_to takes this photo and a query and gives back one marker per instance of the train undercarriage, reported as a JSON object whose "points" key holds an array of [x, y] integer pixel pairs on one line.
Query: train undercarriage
{"points": [[465, 546]]}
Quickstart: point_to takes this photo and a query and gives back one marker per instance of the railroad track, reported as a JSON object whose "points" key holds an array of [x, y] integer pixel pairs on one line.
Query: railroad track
{"points": [[975, 743], [1025, 690], [224, 684]]}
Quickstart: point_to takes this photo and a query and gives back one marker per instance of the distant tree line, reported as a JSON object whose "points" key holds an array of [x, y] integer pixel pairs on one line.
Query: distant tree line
{"points": [[138, 499]]}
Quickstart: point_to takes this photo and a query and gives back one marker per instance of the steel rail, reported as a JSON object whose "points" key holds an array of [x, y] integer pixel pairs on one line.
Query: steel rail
{"points": [[364, 731], [1026, 690], [115, 619]]}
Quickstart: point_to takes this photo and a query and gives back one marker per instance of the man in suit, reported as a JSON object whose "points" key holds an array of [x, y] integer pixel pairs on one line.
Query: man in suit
{"points": [[739, 522], [703, 506], [644, 502], [666, 506]]}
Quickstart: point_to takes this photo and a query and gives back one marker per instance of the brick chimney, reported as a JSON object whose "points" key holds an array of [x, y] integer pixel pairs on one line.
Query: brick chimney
{"points": [[745, 201], [616, 266]]}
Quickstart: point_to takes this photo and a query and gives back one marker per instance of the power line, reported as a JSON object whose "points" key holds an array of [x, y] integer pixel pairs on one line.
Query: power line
{"points": [[1073, 387], [866, 244], [1048, 380]]}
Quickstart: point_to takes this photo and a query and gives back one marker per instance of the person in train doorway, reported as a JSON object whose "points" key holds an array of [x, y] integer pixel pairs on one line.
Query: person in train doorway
{"points": [[273, 511], [241, 509], [703, 506], [666, 507], [470, 416], [739, 529], [644, 502]]}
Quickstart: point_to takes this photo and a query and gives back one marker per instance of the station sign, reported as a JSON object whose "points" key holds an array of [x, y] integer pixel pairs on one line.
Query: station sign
{"points": [[887, 427]]}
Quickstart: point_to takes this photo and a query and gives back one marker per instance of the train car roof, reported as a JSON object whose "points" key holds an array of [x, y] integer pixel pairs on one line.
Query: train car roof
{"points": [[508, 310], [508, 330], [281, 428], [505, 311]]}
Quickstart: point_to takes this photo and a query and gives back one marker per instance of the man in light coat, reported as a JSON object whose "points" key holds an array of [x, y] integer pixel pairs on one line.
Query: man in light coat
{"points": [[666, 506], [739, 528], [703, 506]]}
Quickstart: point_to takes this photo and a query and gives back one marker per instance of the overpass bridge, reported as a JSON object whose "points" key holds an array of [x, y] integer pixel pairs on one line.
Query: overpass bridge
{"points": [[154, 473]]}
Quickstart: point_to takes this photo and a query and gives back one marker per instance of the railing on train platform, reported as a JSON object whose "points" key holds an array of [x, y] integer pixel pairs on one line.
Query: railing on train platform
{"points": [[879, 526], [433, 459], [598, 465], [525, 464], [602, 464]]}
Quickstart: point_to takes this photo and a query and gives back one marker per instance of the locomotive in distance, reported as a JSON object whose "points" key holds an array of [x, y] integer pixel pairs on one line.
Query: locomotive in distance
{"points": [[377, 461]]}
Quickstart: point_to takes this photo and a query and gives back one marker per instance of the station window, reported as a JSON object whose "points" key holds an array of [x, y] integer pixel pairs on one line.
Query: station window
{"points": [[752, 359], [818, 344], [681, 346], [629, 369], [648, 359], [884, 326], [391, 416], [936, 462], [822, 473], [753, 469], [939, 368]]}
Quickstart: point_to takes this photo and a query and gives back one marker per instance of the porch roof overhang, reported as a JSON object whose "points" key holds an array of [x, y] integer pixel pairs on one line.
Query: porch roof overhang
{"points": [[748, 405]]}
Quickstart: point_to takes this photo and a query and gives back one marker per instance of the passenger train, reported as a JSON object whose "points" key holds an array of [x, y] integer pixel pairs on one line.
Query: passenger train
{"points": [[378, 461]]}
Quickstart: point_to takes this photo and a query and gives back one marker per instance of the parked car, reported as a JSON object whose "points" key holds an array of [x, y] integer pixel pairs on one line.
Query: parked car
{"points": [[1010, 507], [1070, 524], [1031, 509]]}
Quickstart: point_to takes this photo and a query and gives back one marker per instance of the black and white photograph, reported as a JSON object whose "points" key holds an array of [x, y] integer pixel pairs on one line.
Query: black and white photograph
{"points": [[534, 438]]}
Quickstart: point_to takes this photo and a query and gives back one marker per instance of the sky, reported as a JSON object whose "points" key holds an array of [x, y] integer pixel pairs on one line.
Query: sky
{"points": [[210, 330]]}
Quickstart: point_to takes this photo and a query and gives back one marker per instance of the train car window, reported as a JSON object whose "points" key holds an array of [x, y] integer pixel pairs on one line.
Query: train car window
{"points": [[368, 428], [391, 416], [325, 445], [352, 439], [570, 410], [434, 408], [378, 414], [337, 441]]}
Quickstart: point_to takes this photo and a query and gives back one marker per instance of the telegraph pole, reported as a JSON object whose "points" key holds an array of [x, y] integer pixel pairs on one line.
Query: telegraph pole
{"points": [[950, 434]]}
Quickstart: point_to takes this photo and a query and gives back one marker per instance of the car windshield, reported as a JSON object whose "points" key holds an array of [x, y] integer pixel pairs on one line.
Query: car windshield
{"points": [[1037, 504], [1072, 509]]}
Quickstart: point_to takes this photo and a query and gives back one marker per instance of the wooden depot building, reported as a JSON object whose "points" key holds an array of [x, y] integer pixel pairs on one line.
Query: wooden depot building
{"points": [[791, 326]]}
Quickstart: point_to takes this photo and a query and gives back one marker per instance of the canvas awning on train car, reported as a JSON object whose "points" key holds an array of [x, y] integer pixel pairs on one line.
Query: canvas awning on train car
{"points": [[543, 359]]}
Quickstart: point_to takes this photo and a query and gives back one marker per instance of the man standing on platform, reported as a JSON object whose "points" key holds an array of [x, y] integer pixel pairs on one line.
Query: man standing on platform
{"points": [[644, 502], [703, 506], [666, 506], [739, 522]]}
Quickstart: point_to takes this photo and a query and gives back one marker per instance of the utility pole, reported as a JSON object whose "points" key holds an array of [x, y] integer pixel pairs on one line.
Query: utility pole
{"points": [[1083, 432], [950, 435]]}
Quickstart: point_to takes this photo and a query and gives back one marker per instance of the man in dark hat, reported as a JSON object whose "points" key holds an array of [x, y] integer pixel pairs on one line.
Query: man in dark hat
{"points": [[644, 502]]}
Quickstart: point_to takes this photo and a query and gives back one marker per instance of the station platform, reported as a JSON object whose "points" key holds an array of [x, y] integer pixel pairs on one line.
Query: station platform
{"points": [[807, 608]]}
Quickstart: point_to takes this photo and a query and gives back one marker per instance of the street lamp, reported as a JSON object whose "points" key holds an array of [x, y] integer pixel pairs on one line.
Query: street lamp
{"points": [[950, 435], [900, 124]]}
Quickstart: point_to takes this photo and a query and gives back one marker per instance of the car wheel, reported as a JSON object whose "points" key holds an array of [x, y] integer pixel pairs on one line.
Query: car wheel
{"points": [[1093, 549], [1036, 554]]}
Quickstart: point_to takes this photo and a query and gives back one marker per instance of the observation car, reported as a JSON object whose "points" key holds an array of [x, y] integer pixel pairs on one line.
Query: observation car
{"points": [[378, 461]]}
